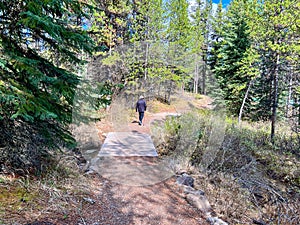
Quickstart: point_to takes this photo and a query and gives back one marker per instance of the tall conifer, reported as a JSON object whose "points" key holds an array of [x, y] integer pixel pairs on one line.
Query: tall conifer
{"points": [[36, 91]]}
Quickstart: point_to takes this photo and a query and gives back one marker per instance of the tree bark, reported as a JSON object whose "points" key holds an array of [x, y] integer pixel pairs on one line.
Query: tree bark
{"points": [[275, 99], [244, 101], [204, 79], [196, 76], [289, 97], [146, 61]]}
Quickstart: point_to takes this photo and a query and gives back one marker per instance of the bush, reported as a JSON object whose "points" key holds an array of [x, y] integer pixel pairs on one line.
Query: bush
{"points": [[267, 175]]}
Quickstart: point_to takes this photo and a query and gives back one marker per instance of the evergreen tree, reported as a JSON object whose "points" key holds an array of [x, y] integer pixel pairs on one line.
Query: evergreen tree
{"points": [[147, 27], [111, 24], [228, 51], [147, 20], [179, 36], [201, 21], [275, 31], [214, 49], [254, 53], [36, 92], [179, 27]]}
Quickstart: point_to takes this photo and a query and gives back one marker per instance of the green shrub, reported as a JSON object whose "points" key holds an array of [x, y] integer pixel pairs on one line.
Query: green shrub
{"points": [[243, 146], [267, 173]]}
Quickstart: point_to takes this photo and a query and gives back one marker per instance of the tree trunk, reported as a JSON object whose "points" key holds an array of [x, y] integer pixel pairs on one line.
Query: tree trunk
{"points": [[244, 101], [196, 76], [298, 127], [204, 79], [275, 99], [169, 92], [298, 116], [146, 60], [289, 97]]}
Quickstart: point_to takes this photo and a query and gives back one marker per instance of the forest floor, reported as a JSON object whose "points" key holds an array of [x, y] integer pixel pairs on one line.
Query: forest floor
{"points": [[72, 194], [69, 197]]}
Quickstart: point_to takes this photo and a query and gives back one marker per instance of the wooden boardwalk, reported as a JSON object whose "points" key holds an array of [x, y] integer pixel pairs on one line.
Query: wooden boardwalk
{"points": [[130, 158], [124, 144]]}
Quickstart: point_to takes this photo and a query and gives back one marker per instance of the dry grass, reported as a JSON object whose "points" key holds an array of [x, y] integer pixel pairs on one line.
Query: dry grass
{"points": [[249, 180], [62, 195], [155, 106], [53, 197]]}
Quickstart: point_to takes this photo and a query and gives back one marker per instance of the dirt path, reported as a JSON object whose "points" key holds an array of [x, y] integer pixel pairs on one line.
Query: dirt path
{"points": [[123, 202], [106, 125], [161, 203], [93, 199]]}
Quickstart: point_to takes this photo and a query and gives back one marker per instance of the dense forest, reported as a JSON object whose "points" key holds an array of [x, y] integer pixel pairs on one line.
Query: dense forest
{"points": [[246, 56], [63, 60]]}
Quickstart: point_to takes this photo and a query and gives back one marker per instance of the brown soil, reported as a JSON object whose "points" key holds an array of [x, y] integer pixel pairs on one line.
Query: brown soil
{"points": [[101, 201], [157, 204]]}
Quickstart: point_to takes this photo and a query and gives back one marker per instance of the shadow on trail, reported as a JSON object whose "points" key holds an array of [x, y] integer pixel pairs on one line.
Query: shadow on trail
{"points": [[152, 204], [133, 171]]}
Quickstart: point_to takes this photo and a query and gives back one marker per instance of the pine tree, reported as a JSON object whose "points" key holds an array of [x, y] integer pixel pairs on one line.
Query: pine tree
{"points": [[254, 54], [275, 31], [147, 27], [201, 21], [229, 47], [214, 49], [111, 24], [36, 92], [178, 36], [179, 27]]}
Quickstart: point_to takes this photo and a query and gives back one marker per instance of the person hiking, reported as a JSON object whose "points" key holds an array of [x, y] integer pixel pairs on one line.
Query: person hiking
{"points": [[141, 107]]}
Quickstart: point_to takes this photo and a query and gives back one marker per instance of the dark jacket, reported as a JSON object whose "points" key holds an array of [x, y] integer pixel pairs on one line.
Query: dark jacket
{"points": [[141, 105]]}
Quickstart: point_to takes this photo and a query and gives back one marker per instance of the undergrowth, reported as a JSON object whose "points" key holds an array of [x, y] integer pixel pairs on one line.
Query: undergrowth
{"points": [[247, 178], [57, 193]]}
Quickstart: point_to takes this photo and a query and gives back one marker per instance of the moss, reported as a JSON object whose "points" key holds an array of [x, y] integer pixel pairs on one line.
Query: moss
{"points": [[15, 197], [198, 96]]}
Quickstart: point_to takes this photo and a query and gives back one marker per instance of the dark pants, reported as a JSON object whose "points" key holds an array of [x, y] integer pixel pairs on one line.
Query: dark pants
{"points": [[141, 117]]}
